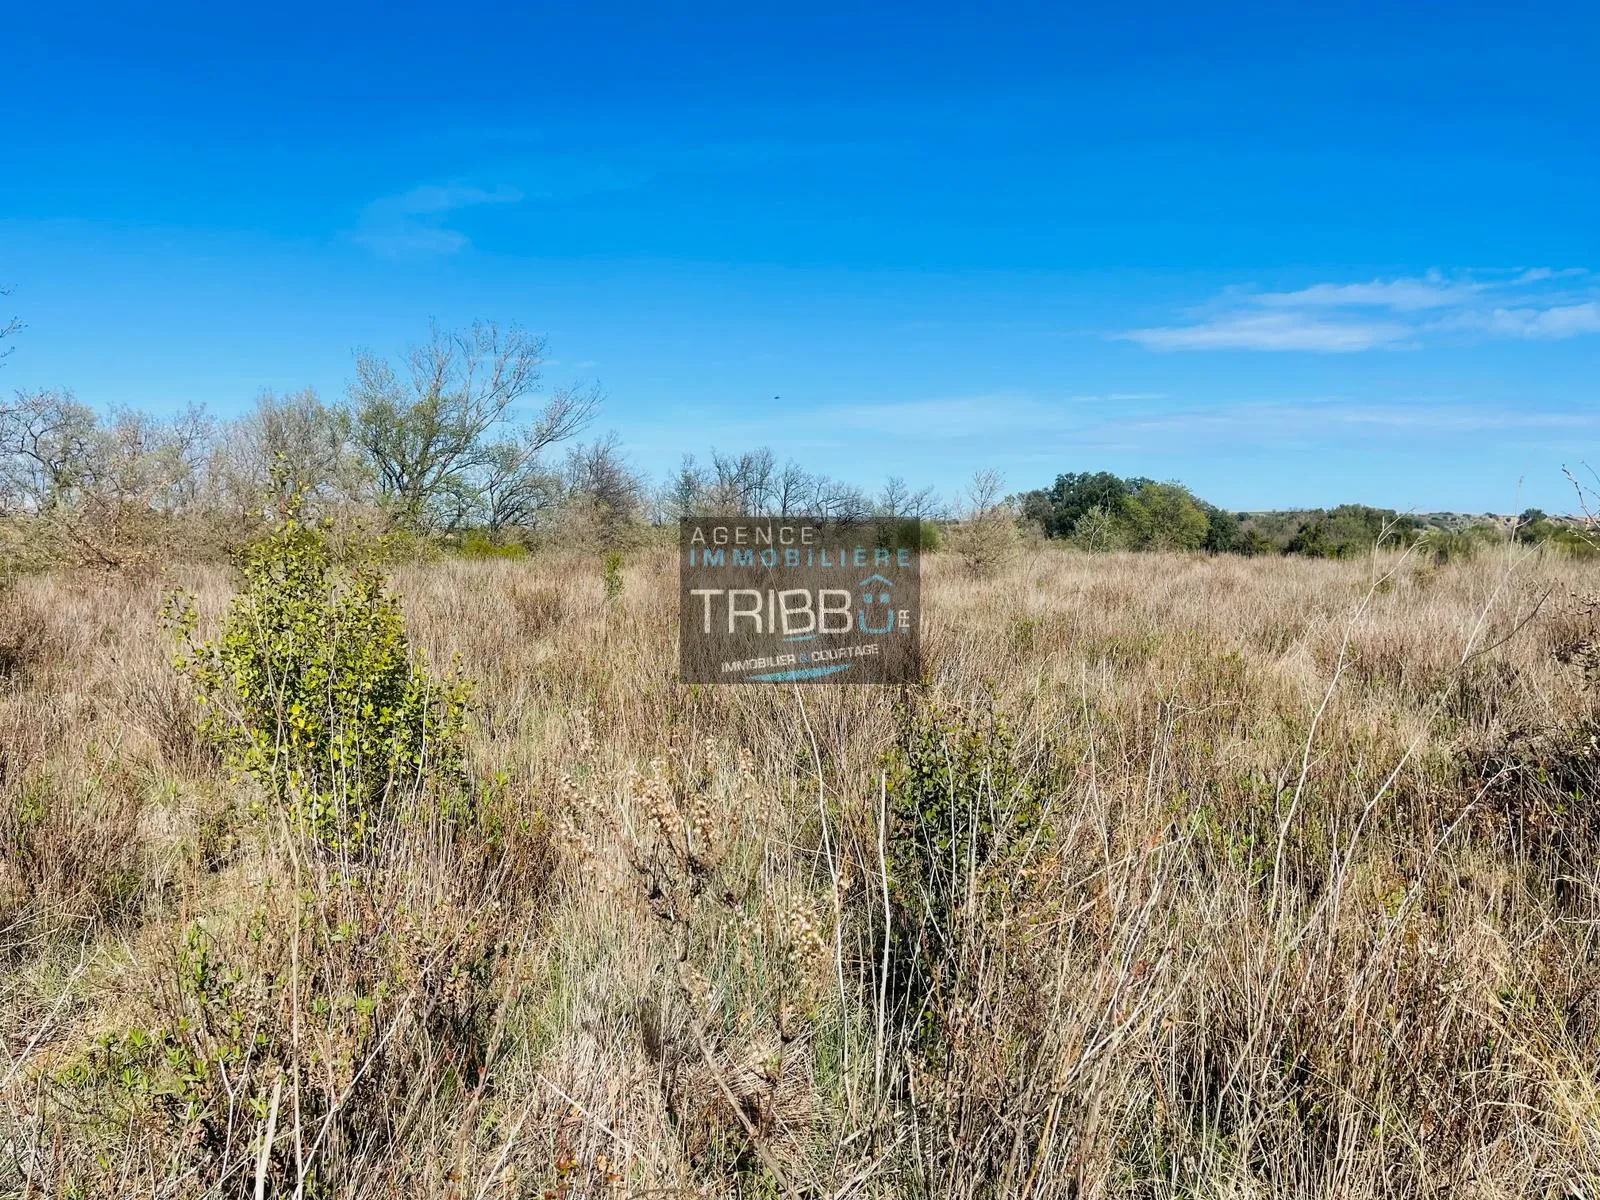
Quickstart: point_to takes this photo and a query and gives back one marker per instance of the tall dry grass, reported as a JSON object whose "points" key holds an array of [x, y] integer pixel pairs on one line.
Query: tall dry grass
{"points": [[1181, 876]]}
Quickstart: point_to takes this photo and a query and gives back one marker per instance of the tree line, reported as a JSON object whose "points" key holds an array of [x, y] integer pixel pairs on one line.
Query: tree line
{"points": [[460, 437], [440, 439], [460, 433], [1101, 511], [457, 437]]}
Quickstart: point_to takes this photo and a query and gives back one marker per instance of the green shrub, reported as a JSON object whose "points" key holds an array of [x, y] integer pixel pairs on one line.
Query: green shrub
{"points": [[390, 1010], [1451, 545], [986, 543], [894, 532], [312, 689], [1351, 530], [957, 810], [1057, 509], [1577, 543], [965, 835], [1224, 533], [1252, 542], [1099, 529], [1563, 537], [611, 575], [1164, 516], [478, 544]]}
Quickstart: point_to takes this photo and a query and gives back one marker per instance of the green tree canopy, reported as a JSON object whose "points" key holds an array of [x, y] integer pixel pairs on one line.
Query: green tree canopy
{"points": [[1165, 516], [1056, 509]]}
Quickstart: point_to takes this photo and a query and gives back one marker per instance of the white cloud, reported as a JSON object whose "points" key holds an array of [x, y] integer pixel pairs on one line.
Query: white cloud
{"points": [[1330, 318], [1564, 321], [1399, 295], [1274, 331], [411, 224], [1327, 418]]}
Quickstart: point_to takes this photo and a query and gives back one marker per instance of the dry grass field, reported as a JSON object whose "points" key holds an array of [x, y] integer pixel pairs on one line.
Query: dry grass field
{"points": [[1181, 876]]}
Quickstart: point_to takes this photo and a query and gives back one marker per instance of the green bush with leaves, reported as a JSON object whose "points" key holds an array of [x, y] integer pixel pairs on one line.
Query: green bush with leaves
{"points": [[1057, 509], [1352, 530], [959, 813], [1567, 537], [477, 544], [312, 689], [611, 575], [1444, 546], [1164, 516]]}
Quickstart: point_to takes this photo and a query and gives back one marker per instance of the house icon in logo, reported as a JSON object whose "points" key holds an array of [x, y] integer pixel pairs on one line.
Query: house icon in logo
{"points": [[876, 587], [866, 589]]}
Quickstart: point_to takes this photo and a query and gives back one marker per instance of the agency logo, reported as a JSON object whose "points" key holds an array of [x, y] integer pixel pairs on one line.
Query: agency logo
{"points": [[799, 601]]}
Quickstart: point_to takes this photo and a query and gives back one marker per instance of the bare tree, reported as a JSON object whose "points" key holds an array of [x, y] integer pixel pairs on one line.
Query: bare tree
{"points": [[983, 493], [893, 496], [47, 441], [987, 536], [897, 500], [8, 327], [685, 493], [892, 499], [600, 482], [102, 488], [179, 449], [514, 484], [743, 484], [923, 504], [790, 490], [141, 461], [752, 484], [289, 445], [834, 500], [427, 435], [515, 488]]}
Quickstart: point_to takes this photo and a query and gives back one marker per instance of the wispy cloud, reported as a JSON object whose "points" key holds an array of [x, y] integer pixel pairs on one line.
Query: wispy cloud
{"points": [[1331, 420], [1020, 423], [1562, 321], [1337, 318], [1398, 295], [414, 223], [1274, 331]]}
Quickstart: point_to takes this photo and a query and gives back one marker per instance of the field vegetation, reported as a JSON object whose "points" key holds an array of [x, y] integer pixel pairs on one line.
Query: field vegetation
{"points": [[1181, 874]]}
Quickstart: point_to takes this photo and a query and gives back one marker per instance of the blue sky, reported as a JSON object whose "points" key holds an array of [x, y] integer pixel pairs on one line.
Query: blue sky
{"points": [[1289, 255]]}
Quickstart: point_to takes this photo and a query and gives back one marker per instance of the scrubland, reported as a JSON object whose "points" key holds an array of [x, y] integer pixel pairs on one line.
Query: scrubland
{"points": [[1179, 876]]}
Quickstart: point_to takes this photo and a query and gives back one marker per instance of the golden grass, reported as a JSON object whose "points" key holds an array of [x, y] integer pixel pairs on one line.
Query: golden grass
{"points": [[1303, 905]]}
